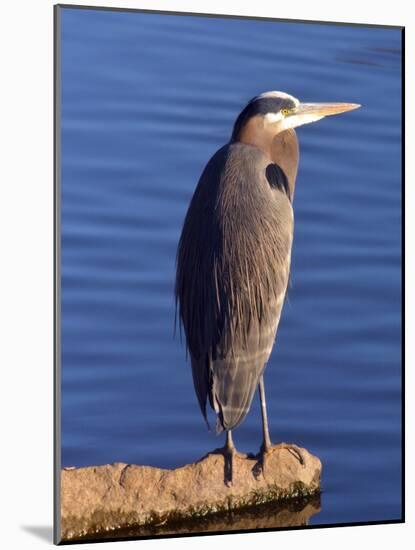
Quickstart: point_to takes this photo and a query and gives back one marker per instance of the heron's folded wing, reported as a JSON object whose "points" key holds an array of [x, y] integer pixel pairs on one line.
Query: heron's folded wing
{"points": [[236, 371]]}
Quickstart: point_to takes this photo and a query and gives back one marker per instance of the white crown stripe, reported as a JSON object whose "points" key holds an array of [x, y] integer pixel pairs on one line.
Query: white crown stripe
{"points": [[277, 94]]}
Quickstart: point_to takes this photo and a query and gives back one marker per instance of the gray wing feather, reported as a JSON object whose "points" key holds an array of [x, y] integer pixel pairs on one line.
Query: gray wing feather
{"points": [[236, 374]]}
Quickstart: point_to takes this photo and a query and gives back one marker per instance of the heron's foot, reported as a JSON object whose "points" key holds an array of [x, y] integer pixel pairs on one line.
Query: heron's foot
{"points": [[230, 453], [266, 446], [264, 454], [266, 451], [295, 451]]}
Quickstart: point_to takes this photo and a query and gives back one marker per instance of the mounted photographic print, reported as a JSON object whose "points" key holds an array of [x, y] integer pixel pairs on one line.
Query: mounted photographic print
{"points": [[228, 269]]}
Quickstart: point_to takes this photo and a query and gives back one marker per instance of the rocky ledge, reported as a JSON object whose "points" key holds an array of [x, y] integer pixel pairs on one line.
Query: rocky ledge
{"points": [[104, 500]]}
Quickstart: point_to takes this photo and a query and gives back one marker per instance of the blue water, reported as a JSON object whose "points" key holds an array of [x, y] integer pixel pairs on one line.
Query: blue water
{"points": [[146, 100]]}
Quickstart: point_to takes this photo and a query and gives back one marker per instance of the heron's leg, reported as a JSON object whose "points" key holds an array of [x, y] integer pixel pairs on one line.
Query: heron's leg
{"points": [[229, 448], [266, 442], [229, 445], [230, 452]]}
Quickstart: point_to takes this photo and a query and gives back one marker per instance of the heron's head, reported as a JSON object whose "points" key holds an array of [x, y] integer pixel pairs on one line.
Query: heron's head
{"points": [[274, 112]]}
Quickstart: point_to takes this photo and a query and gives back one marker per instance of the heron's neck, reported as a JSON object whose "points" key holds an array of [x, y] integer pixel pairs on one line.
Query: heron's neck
{"points": [[285, 152], [280, 147], [256, 133]]}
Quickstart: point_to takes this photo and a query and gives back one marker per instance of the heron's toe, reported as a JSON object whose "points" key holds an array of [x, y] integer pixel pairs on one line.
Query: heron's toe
{"points": [[296, 451]]}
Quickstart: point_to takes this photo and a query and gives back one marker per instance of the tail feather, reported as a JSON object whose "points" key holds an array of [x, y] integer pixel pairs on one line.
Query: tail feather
{"points": [[230, 380], [234, 385]]}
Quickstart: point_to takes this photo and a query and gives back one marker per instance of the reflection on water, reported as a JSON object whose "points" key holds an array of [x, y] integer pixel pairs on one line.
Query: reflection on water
{"points": [[296, 513], [146, 100]]}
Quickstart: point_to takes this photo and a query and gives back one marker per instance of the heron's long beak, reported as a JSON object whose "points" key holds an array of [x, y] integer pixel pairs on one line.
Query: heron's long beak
{"points": [[324, 109], [311, 112]]}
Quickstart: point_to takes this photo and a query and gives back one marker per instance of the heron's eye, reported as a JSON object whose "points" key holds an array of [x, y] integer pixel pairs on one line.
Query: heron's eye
{"points": [[285, 112]]}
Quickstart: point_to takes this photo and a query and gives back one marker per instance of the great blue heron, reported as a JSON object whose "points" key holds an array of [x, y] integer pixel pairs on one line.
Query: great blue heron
{"points": [[233, 258]]}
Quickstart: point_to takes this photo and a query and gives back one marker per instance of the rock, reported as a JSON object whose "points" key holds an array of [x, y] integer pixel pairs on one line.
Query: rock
{"points": [[101, 499]]}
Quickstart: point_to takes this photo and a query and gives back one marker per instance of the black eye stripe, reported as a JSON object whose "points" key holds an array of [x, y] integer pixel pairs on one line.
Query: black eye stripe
{"points": [[265, 105]]}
